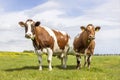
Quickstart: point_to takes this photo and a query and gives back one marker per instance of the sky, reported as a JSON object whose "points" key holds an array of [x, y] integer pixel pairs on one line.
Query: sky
{"points": [[65, 15]]}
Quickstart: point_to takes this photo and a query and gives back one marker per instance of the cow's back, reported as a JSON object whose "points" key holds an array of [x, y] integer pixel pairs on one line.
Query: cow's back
{"points": [[46, 37]]}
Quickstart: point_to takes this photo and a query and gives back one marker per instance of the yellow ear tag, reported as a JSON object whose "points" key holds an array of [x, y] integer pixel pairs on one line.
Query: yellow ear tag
{"points": [[83, 30], [96, 30]]}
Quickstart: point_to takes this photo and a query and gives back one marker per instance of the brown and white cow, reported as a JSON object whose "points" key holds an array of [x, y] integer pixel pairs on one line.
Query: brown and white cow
{"points": [[84, 44], [46, 40]]}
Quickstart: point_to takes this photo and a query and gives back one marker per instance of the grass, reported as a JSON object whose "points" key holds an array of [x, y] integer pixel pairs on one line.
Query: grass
{"points": [[24, 66]]}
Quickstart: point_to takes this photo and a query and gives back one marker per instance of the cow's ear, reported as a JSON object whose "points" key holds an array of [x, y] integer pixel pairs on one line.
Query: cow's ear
{"points": [[82, 28], [37, 23], [22, 24], [97, 28]]}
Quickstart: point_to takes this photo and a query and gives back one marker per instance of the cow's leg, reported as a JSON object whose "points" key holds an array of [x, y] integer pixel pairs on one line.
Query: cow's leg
{"points": [[89, 61], [40, 62], [63, 60], [50, 53], [64, 56], [78, 58], [38, 53], [85, 60]]}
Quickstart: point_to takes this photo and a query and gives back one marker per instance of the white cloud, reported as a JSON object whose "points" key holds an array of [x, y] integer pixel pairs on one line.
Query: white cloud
{"points": [[112, 34], [10, 20], [107, 13]]}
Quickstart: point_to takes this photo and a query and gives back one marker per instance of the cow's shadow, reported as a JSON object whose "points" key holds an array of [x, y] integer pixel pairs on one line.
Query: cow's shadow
{"points": [[22, 68], [70, 67]]}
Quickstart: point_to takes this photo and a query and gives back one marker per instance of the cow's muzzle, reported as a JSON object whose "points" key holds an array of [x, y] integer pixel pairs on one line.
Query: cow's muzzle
{"points": [[91, 37], [29, 36]]}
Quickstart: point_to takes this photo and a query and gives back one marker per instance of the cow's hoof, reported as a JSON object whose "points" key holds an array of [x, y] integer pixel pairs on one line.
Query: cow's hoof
{"points": [[64, 67], [50, 69], [77, 68], [40, 68], [88, 67]]}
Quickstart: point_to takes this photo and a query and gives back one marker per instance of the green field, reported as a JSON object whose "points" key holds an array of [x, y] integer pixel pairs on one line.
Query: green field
{"points": [[24, 66]]}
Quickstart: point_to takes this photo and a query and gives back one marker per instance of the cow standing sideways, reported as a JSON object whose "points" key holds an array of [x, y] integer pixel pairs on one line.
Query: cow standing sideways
{"points": [[46, 40], [84, 44]]}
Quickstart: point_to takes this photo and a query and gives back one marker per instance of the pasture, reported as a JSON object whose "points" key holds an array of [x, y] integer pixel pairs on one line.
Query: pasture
{"points": [[24, 66]]}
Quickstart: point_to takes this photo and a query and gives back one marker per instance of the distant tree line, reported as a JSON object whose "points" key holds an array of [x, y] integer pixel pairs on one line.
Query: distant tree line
{"points": [[28, 51], [107, 54], [71, 52]]}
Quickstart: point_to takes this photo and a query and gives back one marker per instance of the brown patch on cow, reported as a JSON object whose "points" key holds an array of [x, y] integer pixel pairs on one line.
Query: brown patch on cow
{"points": [[62, 39], [42, 38], [80, 42]]}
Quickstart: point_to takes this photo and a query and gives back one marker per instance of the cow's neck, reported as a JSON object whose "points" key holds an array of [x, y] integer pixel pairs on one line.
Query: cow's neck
{"points": [[35, 40], [36, 45], [87, 41], [85, 36]]}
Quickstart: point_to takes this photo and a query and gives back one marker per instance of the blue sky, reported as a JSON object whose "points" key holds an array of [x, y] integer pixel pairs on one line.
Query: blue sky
{"points": [[18, 5], [66, 15]]}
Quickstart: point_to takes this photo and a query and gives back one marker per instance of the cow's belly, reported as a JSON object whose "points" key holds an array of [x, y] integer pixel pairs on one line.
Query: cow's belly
{"points": [[56, 52], [79, 50]]}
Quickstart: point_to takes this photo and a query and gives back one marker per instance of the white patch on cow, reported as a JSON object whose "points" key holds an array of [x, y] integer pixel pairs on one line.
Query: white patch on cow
{"points": [[44, 50], [86, 51], [67, 46], [29, 28], [40, 62], [62, 55], [78, 58], [51, 33], [90, 58], [39, 54], [50, 53], [64, 33]]}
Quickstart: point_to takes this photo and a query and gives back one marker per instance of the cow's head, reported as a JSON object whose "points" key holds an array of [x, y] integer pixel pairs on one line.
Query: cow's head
{"points": [[90, 30], [29, 28]]}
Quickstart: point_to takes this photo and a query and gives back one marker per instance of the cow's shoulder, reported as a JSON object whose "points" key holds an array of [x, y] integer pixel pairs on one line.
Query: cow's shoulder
{"points": [[43, 38]]}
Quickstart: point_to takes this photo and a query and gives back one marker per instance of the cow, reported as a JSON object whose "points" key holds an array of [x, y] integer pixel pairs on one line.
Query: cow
{"points": [[84, 44], [46, 40]]}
